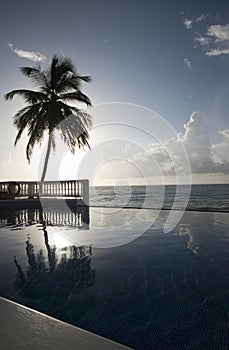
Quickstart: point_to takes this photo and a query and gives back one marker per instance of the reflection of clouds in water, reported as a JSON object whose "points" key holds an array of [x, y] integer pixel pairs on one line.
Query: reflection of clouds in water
{"points": [[185, 231], [221, 220], [207, 232]]}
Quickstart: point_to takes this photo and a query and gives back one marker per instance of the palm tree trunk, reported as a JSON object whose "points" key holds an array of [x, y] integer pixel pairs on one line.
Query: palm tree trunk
{"points": [[46, 159]]}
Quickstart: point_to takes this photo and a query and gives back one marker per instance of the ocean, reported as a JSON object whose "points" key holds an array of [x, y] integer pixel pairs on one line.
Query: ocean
{"points": [[201, 198]]}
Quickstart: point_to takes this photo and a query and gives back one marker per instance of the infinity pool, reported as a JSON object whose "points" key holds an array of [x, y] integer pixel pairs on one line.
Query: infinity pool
{"points": [[120, 275]]}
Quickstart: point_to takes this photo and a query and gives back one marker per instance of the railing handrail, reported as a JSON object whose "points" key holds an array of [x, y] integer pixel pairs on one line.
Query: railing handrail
{"points": [[39, 182], [51, 188]]}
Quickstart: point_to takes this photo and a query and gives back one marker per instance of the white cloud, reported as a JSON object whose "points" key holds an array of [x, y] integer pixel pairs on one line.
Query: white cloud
{"points": [[217, 52], [125, 158], [202, 40], [188, 23], [219, 32], [221, 150], [218, 35], [214, 40], [197, 145], [225, 134], [30, 55], [204, 158], [201, 18], [187, 62]]}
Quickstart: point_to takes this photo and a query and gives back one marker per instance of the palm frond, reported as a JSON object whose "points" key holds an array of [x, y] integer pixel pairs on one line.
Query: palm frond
{"points": [[36, 133], [85, 117], [85, 78], [21, 112], [69, 111], [25, 117], [18, 136], [29, 96], [60, 67], [67, 85], [73, 130], [77, 96], [38, 76], [30, 71], [63, 75]]}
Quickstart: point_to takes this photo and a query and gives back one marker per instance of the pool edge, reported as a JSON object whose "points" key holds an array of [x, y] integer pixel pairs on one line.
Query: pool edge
{"points": [[20, 325]]}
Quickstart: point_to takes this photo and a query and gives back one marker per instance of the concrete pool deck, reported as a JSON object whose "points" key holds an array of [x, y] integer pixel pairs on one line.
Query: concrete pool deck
{"points": [[24, 328]]}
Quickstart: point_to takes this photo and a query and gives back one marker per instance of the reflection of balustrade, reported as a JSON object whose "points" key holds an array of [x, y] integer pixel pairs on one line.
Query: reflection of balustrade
{"points": [[79, 218], [68, 188]]}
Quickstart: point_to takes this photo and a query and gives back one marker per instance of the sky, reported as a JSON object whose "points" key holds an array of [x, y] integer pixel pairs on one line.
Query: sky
{"points": [[160, 78]]}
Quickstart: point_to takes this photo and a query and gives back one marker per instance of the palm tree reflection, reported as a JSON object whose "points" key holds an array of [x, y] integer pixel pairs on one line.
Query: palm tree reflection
{"points": [[49, 282]]}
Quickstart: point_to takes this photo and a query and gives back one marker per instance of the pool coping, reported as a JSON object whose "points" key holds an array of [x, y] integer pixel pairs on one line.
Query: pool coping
{"points": [[23, 327], [36, 203]]}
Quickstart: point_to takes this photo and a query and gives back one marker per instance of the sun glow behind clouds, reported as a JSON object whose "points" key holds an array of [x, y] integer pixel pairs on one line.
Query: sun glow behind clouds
{"points": [[127, 152], [70, 163]]}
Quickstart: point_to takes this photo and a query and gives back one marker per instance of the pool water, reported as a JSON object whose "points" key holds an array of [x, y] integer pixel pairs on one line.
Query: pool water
{"points": [[120, 275]]}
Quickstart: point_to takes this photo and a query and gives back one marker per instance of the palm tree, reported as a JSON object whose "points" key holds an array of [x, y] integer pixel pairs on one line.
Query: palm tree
{"points": [[48, 108]]}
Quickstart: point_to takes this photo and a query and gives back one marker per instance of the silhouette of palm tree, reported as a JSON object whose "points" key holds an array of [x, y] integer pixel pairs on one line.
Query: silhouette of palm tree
{"points": [[47, 108], [50, 283]]}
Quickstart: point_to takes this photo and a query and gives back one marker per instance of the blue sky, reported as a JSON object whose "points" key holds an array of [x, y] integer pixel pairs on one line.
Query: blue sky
{"points": [[171, 57]]}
